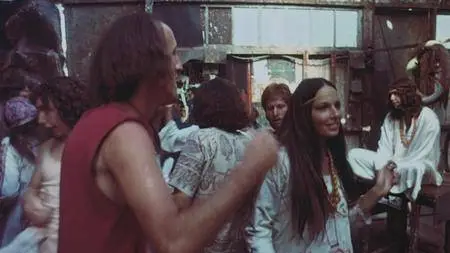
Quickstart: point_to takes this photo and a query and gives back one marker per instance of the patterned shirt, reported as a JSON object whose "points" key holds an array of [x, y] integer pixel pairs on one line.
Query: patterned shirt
{"points": [[203, 166]]}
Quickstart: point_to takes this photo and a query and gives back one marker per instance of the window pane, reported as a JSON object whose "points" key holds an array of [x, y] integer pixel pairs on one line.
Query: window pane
{"points": [[265, 71], [442, 28], [322, 28], [347, 24], [260, 79], [273, 27], [298, 23], [245, 26], [284, 27]]}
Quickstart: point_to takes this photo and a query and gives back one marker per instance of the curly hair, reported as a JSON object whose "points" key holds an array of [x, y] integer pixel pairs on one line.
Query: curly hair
{"points": [[133, 49], [411, 101], [68, 96], [13, 80], [217, 103]]}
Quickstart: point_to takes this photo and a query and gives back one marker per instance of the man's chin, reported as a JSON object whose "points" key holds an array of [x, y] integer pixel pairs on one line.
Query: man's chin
{"points": [[275, 126]]}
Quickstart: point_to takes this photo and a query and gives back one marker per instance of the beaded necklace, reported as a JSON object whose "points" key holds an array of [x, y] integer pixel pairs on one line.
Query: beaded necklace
{"points": [[334, 197], [403, 138]]}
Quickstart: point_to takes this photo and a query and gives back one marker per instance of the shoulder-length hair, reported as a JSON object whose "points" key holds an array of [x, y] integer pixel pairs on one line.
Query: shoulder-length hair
{"points": [[217, 103], [275, 90], [410, 100], [132, 50], [310, 206]]}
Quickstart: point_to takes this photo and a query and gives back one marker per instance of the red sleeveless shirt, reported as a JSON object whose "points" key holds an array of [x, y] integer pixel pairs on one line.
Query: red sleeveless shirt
{"points": [[89, 221]]}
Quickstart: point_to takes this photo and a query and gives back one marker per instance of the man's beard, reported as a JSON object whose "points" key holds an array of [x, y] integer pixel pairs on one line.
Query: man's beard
{"points": [[397, 113]]}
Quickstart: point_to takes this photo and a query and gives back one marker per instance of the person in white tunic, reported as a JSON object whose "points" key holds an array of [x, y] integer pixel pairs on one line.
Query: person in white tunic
{"points": [[410, 137], [302, 206]]}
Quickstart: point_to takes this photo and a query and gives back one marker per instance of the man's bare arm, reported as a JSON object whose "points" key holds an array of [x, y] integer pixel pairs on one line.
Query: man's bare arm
{"points": [[127, 152]]}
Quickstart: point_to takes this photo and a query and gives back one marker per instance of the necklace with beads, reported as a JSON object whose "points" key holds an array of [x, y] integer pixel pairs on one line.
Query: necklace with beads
{"points": [[334, 197], [403, 138]]}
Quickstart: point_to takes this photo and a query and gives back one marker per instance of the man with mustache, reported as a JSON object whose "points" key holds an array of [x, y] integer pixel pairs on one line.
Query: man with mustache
{"points": [[410, 141]]}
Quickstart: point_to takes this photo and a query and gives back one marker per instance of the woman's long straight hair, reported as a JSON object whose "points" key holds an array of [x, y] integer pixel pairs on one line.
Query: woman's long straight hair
{"points": [[310, 207]]}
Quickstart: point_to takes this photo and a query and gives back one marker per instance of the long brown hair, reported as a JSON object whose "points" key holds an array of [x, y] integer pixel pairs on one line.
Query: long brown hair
{"points": [[132, 50], [310, 206], [217, 103]]}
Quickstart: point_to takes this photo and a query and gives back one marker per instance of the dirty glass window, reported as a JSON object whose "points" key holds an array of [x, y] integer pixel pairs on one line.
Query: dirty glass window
{"points": [[321, 28], [269, 70], [442, 31], [245, 26], [347, 24], [287, 27], [295, 27]]}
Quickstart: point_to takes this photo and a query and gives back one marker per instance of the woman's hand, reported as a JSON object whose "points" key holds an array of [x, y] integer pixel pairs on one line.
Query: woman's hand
{"points": [[386, 178]]}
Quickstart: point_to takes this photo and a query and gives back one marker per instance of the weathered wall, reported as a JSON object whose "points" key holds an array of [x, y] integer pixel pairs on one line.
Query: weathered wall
{"points": [[385, 24], [85, 23]]}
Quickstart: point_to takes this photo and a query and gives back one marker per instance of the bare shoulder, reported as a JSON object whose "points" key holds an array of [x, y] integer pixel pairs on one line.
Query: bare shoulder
{"points": [[128, 141], [124, 152], [128, 172]]}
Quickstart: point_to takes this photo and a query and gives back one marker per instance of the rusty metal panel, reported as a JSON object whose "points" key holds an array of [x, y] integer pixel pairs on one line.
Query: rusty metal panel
{"points": [[85, 24], [218, 53], [238, 72], [219, 26], [397, 29], [74, 2], [184, 19]]}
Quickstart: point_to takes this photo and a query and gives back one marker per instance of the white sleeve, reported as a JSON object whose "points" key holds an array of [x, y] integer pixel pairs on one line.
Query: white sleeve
{"points": [[172, 138]]}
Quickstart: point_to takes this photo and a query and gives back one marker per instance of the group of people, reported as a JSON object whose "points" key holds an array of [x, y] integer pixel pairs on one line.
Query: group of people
{"points": [[99, 184], [39, 121]]}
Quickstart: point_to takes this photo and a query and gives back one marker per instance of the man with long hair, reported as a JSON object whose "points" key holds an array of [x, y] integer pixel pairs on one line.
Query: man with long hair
{"points": [[211, 153], [410, 138], [113, 195], [60, 102]]}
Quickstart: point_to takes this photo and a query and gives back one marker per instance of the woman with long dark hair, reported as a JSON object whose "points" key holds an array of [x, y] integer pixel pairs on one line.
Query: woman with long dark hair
{"points": [[210, 154], [303, 203]]}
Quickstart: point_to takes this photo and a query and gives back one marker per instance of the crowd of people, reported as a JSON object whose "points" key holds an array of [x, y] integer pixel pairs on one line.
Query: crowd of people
{"points": [[105, 167]]}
